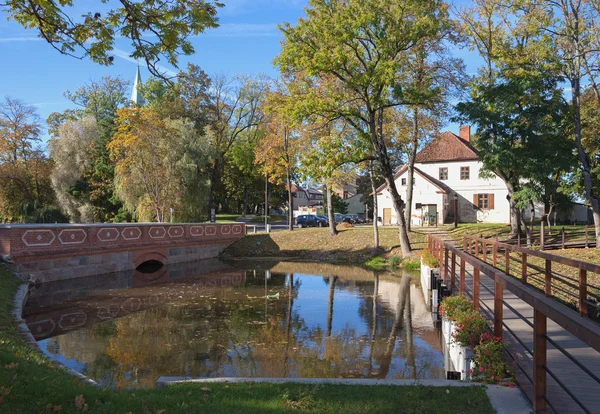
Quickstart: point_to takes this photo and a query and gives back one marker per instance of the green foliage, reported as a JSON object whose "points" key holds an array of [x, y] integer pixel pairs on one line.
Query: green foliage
{"points": [[489, 360], [394, 261], [338, 204], [411, 263], [470, 327], [429, 259], [376, 263], [93, 34], [453, 307]]}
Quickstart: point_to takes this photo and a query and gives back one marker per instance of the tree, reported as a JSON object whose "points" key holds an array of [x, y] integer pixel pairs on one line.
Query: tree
{"points": [[574, 27], [277, 152], [157, 29], [363, 46], [100, 100], [70, 153], [234, 108], [338, 205], [149, 152], [25, 193]]}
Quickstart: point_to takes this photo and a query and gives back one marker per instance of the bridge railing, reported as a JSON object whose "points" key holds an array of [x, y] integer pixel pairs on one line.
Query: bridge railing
{"points": [[477, 252]]}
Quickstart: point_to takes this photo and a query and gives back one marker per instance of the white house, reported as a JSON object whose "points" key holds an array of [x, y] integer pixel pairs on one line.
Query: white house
{"points": [[446, 171]]}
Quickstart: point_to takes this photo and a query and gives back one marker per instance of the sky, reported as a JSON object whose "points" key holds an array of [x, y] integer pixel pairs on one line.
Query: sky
{"points": [[247, 41]]}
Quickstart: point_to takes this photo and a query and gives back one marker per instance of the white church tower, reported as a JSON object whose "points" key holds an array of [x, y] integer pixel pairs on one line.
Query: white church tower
{"points": [[136, 96]]}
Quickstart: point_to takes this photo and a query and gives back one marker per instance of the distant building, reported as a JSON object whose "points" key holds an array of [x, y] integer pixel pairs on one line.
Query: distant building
{"points": [[306, 197], [349, 193]]}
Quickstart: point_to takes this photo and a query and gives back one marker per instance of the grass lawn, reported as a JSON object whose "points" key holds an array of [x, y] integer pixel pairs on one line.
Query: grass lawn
{"points": [[29, 383], [226, 218], [353, 245]]}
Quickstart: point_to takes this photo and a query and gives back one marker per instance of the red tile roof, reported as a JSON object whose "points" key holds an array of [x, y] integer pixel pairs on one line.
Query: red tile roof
{"points": [[447, 147]]}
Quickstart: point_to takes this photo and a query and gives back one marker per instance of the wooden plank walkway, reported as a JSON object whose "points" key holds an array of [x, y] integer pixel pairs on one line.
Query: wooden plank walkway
{"points": [[518, 335]]}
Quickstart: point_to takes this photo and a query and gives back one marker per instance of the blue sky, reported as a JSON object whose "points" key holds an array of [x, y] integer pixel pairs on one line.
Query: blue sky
{"points": [[246, 42]]}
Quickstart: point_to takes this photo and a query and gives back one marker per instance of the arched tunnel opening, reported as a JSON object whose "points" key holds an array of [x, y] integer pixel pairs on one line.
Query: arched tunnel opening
{"points": [[150, 266]]}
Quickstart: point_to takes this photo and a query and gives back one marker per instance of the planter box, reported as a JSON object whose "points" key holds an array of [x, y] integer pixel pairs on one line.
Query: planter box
{"points": [[426, 282], [460, 357]]}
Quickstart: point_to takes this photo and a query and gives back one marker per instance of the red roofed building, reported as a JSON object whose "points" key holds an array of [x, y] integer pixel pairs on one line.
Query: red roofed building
{"points": [[446, 175]]}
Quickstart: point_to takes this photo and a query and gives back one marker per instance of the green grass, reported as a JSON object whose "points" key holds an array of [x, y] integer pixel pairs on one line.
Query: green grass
{"points": [[227, 218], [30, 383], [352, 245]]}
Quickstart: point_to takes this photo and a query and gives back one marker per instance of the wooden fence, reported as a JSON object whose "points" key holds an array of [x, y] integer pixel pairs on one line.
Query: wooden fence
{"points": [[495, 261]]}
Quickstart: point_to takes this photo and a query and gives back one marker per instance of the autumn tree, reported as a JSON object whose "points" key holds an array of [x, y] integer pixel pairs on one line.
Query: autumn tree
{"points": [[157, 30], [148, 152], [363, 45], [25, 193], [277, 152], [70, 153]]}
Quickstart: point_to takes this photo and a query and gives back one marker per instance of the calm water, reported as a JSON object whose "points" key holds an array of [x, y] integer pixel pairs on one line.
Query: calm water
{"points": [[208, 319]]}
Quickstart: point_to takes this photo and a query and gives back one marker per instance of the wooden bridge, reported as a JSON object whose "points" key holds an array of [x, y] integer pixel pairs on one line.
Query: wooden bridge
{"points": [[51, 252], [543, 307]]}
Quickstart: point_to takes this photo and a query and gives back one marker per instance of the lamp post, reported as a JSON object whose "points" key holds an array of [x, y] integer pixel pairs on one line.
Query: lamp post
{"points": [[455, 210]]}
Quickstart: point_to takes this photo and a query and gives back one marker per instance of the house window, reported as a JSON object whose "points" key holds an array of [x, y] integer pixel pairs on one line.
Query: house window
{"points": [[465, 173], [404, 181], [443, 173], [483, 201]]}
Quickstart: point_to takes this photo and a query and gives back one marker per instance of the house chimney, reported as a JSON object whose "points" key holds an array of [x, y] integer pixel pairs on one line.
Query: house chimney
{"points": [[465, 132]]}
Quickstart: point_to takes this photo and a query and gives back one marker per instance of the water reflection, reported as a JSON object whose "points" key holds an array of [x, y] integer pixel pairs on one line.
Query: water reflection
{"points": [[208, 319]]}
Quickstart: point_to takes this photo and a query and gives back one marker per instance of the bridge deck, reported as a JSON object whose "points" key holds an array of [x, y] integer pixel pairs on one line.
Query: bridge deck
{"points": [[518, 335]]}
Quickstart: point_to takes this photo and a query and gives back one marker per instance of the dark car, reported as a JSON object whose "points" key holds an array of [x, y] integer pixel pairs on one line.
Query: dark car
{"points": [[311, 221]]}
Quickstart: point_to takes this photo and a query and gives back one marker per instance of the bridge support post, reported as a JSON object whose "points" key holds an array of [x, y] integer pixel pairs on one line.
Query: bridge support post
{"points": [[452, 271], [462, 276], [498, 306], [476, 288], [539, 362], [548, 278]]}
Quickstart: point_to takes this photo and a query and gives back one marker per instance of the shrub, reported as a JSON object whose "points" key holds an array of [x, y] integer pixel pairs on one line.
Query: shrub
{"points": [[411, 263], [489, 360], [376, 263], [452, 306], [429, 259], [470, 327], [394, 261]]}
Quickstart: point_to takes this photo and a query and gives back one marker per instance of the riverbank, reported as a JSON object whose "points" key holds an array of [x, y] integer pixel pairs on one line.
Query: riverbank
{"points": [[31, 383]]}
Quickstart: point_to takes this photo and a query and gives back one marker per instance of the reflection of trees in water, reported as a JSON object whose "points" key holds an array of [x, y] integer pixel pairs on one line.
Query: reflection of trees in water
{"points": [[223, 333]]}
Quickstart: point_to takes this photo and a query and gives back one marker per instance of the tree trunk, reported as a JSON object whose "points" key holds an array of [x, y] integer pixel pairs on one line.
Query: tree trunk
{"points": [[214, 182], [331, 293], [375, 224], [245, 208], [515, 215], [411, 168], [331, 217], [388, 174], [290, 203]]}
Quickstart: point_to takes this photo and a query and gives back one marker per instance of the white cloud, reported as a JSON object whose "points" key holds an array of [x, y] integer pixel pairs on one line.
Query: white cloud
{"points": [[19, 39]]}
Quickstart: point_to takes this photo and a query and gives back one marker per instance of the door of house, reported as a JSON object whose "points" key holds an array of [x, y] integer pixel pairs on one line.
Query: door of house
{"points": [[430, 215], [387, 216]]}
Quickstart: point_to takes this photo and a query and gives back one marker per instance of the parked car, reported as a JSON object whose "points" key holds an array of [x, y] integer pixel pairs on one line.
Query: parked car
{"points": [[354, 219], [310, 220]]}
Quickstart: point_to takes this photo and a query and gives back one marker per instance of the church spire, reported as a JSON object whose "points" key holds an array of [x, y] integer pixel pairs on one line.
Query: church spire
{"points": [[136, 96]]}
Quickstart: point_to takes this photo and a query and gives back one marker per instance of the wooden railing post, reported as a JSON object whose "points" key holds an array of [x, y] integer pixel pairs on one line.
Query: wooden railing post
{"points": [[539, 362], [494, 254], [542, 234], [484, 247], [548, 278], [506, 261], [476, 248], [445, 264], [524, 267], [498, 306], [462, 276], [583, 292], [452, 271], [464, 243], [563, 237], [476, 288], [519, 240]]}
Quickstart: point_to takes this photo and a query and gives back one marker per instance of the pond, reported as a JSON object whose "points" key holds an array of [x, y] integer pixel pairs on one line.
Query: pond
{"points": [[211, 319]]}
